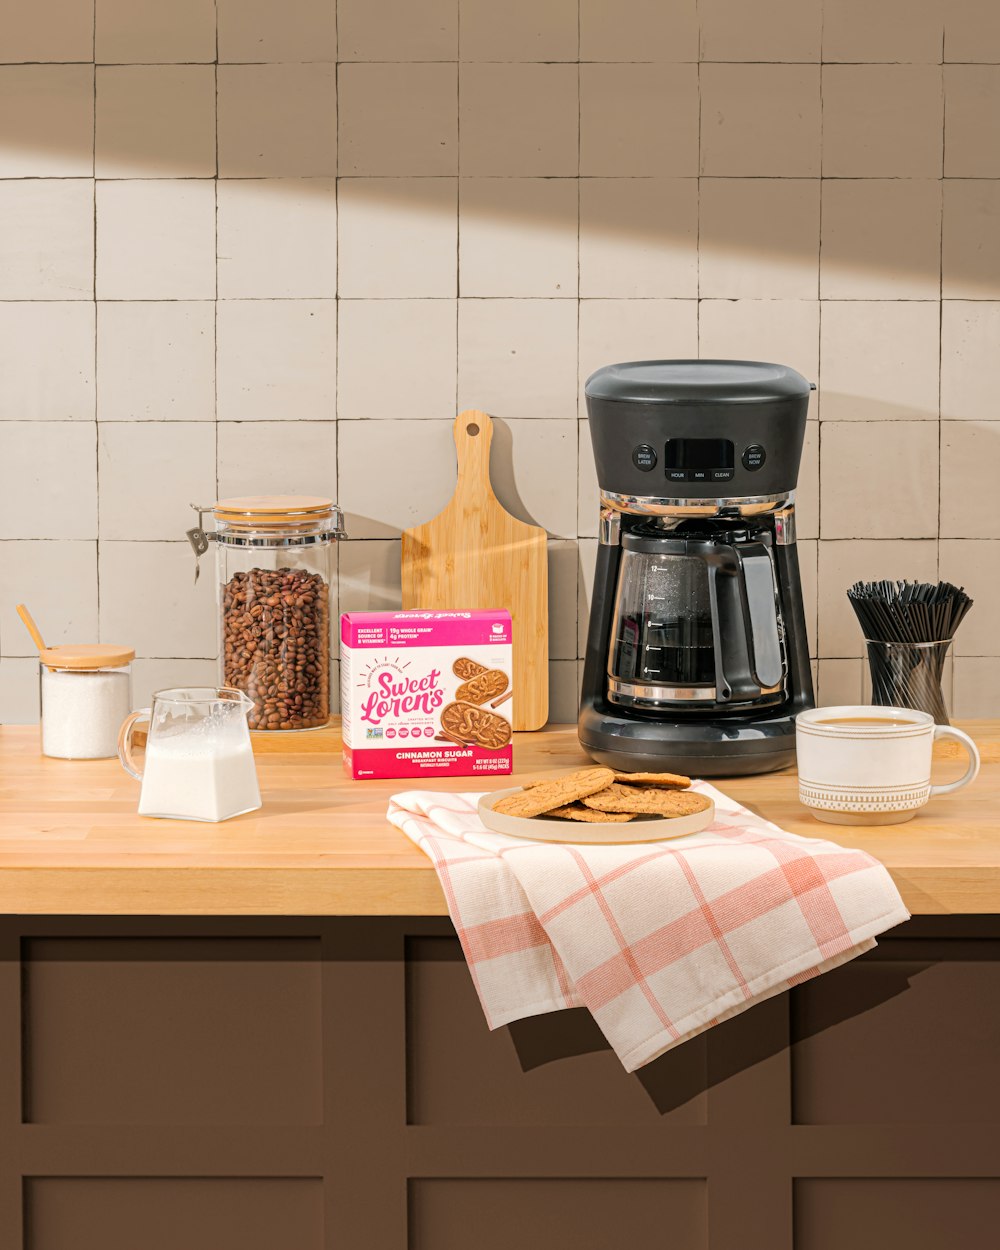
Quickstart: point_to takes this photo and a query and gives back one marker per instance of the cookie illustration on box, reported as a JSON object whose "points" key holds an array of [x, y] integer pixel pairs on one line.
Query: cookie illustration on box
{"points": [[426, 693]]}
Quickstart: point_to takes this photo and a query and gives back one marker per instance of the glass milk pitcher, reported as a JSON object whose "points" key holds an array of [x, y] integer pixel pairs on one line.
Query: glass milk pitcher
{"points": [[198, 764]]}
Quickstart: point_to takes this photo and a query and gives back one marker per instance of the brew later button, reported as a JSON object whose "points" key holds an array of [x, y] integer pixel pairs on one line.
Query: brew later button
{"points": [[644, 457], [754, 457]]}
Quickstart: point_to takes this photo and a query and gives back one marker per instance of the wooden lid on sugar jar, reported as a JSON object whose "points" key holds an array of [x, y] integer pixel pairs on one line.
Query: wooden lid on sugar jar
{"points": [[86, 656]]}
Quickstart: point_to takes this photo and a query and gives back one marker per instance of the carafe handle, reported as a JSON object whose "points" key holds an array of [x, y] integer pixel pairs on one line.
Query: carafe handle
{"points": [[125, 741]]}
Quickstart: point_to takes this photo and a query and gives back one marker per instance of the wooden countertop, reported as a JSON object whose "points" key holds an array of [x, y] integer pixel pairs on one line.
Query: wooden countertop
{"points": [[71, 842]]}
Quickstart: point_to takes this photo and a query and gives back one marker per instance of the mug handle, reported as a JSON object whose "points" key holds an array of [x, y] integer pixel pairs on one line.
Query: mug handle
{"points": [[125, 741], [971, 773]]}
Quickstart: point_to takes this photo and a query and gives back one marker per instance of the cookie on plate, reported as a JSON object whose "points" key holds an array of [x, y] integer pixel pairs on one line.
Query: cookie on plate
{"points": [[668, 781], [652, 802], [557, 793], [573, 811]]}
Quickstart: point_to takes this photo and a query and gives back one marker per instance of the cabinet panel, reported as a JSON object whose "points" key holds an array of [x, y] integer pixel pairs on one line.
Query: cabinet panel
{"points": [[166, 1030]]}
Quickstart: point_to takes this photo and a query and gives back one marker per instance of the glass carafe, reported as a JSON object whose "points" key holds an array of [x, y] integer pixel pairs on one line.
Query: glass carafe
{"points": [[198, 764]]}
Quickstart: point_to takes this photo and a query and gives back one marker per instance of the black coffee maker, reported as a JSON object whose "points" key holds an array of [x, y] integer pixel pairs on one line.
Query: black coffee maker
{"points": [[697, 659]]}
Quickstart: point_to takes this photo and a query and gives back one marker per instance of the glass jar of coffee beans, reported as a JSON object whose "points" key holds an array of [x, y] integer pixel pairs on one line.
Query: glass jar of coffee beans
{"points": [[273, 564]]}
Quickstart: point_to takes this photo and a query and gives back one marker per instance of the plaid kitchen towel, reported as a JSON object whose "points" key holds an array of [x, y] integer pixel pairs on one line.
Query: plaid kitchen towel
{"points": [[659, 940]]}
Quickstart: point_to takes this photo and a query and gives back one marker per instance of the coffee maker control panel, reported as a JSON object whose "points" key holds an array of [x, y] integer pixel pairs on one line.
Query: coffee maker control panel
{"points": [[699, 460]]}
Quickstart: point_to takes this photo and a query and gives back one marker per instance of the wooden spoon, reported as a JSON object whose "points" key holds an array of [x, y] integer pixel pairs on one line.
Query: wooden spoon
{"points": [[31, 627]]}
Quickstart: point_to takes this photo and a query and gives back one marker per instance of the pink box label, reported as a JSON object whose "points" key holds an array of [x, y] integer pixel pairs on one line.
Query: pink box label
{"points": [[411, 702]]}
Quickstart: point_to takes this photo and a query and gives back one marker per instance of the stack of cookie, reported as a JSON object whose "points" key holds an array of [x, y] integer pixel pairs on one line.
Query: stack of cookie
{"points": [[605, 796]]}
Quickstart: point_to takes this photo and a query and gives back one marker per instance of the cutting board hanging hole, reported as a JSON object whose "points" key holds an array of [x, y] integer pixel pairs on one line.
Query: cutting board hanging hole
{"points": [[472, 429]]}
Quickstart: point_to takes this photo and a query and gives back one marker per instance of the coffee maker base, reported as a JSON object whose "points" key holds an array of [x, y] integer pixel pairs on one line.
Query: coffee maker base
{"points": [[706, 749]]}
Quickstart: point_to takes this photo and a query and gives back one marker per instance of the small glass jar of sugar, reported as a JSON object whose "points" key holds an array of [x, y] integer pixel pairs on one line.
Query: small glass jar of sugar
{"points": [[86, 693]]}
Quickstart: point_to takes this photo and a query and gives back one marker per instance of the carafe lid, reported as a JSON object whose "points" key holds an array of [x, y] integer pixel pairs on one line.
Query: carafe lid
{"points": [[86, 656]]}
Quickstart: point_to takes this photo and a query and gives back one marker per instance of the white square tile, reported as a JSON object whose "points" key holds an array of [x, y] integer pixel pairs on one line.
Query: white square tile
{"points": [[638, 120], [150, 471], [759, 238], [970, 363], [588, 491], [277, 458], [140, 32], [370, 576], [808, 552], [970, 260], [534, 473], [638, 238], [277, 238], [518, 237], [807, 488], [277, 30], [882, 121], [398, 120], [276, 360], [564, 692], [841, 564], [155, 121], [18, 692], [970, 452], [396, 358], [519, 30], [840, 683], [781, 330], [972, 31], [614, 330], [892, 30], [48, 30], [854, 501], [517, 358], [277, 121], [58, 582], [50, 469], [880, 360], [397, 30], [973, 563], [635, 30], [149, 600], [156, 360], [760, 121], [977, 688], [47, 361], [156, 239], [148, 676], [534, 133], [381, 504], [972, 121], [782, 30], [398, 238], [586, 566], [865, 253], [562, 585], [46, 239], [50, 110]]}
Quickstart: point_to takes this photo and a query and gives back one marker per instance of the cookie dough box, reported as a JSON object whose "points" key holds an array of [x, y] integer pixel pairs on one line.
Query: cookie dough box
{"points": [[426, 694]]}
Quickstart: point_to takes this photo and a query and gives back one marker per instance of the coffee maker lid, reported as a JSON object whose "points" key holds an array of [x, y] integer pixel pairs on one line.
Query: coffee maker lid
{"points": [[696, 382]]}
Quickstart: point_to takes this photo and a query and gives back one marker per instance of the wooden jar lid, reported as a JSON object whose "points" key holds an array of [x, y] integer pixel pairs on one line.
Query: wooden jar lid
{"points": [[256, 511], [87, 655]]}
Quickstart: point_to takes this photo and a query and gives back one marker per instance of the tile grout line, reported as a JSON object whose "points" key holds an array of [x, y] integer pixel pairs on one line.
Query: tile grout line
{"points": [[97, 423]]}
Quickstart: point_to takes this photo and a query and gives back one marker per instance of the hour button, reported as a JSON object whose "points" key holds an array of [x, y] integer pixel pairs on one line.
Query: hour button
{"points": [[644, 457]]}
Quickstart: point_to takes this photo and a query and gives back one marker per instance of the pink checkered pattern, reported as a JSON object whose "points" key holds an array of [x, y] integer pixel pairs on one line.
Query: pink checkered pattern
{"points": [[658, 940]]}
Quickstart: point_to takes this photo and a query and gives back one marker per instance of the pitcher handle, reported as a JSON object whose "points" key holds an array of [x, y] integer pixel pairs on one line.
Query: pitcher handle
{"points": [[949, 731], [125, 741]]}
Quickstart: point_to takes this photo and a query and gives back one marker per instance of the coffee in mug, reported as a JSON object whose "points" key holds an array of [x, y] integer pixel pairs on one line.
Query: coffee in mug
{"points": [[871, 766]]}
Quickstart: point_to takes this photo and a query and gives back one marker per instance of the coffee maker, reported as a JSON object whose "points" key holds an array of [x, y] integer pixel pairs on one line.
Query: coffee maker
{"points": [[697, 660]]}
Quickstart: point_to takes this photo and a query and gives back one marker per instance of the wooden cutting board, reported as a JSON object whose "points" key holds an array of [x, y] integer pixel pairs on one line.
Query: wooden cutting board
{"points": [[474, 554]]}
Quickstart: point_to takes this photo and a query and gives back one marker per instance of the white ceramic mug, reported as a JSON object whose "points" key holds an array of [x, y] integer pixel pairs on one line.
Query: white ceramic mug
{"points": [[871, 765]]}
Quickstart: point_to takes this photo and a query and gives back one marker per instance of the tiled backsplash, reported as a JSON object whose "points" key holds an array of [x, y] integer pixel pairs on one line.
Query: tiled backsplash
{"points": [[252, 245]]}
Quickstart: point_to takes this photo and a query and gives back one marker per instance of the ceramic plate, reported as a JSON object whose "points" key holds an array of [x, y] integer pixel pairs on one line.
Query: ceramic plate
{"points": [[540, 829]]}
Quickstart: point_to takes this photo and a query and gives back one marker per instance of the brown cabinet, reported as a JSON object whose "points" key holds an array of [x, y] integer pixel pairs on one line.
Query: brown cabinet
{"points": [[329, 1084]]}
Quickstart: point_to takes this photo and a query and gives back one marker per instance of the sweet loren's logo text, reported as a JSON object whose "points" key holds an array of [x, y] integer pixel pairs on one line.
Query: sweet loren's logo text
{"points": [[401, 696]]}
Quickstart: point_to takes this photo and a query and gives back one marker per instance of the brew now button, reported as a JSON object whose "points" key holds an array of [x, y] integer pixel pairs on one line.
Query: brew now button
{"points": [[754, 457]]}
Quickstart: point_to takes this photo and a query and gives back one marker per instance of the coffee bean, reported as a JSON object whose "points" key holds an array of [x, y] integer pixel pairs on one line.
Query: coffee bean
{"points": [[276, 646]]}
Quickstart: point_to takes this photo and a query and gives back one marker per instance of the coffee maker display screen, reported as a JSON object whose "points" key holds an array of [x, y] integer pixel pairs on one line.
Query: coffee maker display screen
{"points": [[701, 454]]}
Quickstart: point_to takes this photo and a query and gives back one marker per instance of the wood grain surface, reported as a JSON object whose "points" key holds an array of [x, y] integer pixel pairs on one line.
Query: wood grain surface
{"points": [[474, 554], [71, 841]]}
